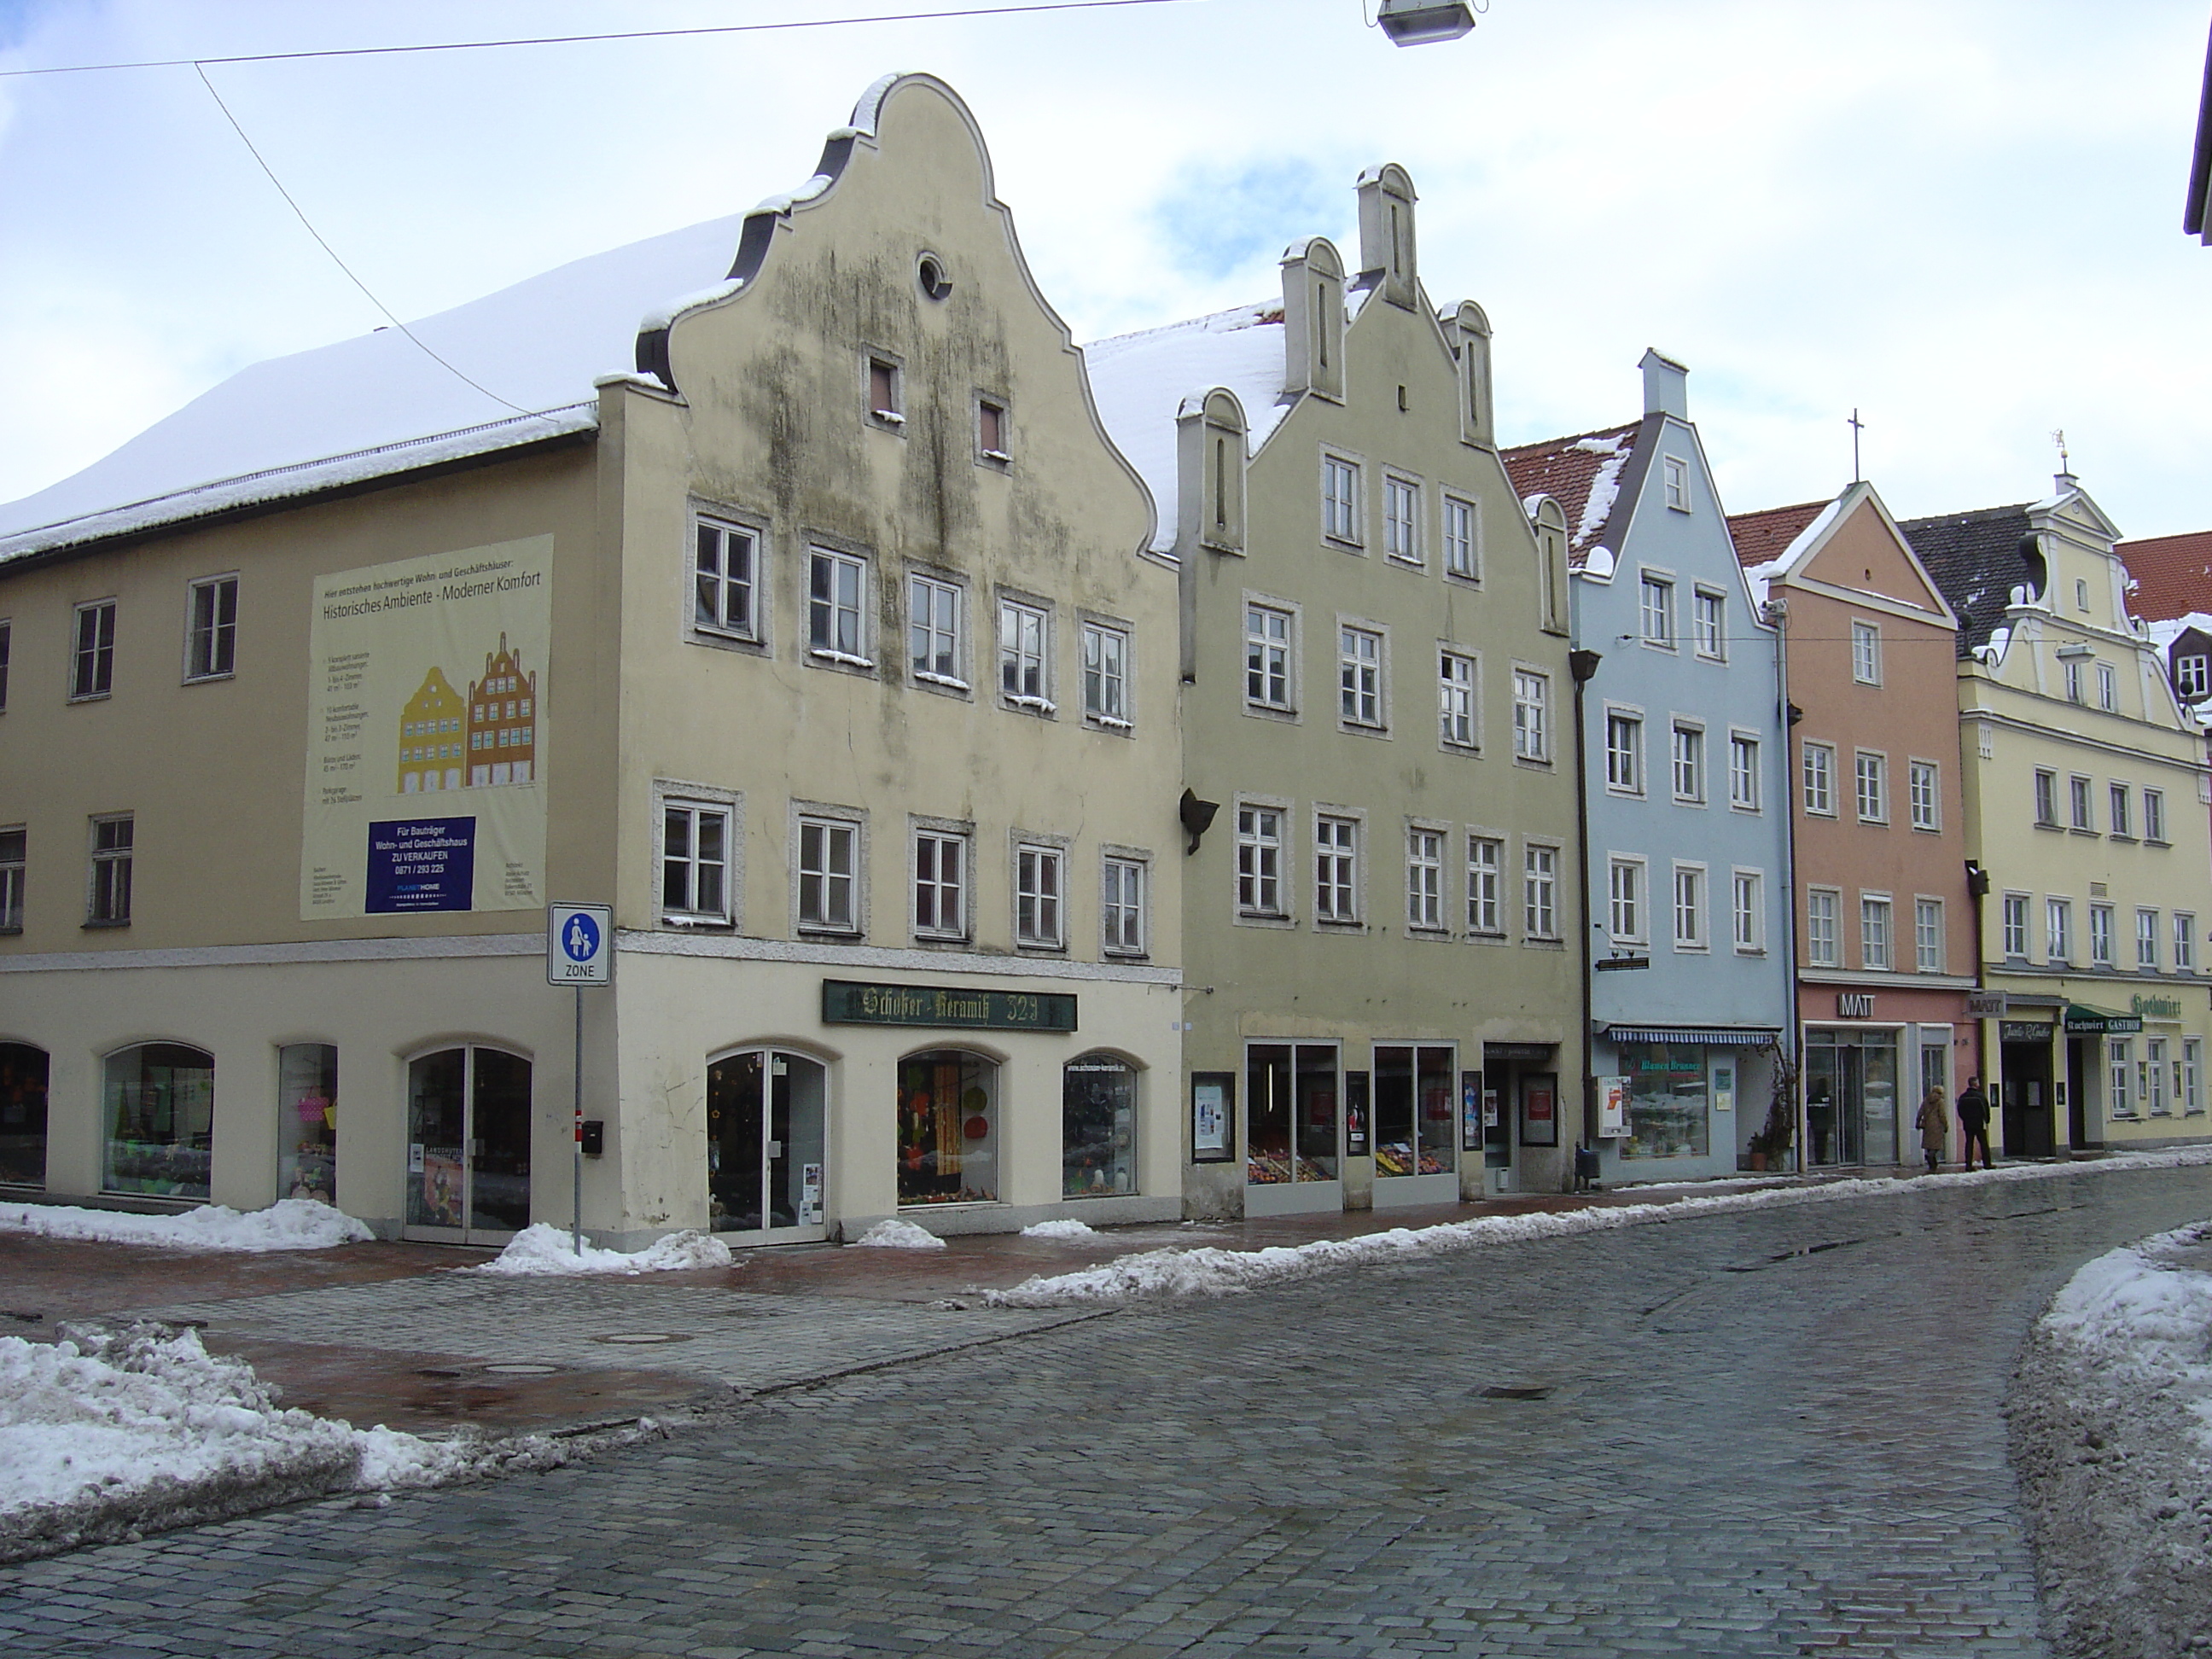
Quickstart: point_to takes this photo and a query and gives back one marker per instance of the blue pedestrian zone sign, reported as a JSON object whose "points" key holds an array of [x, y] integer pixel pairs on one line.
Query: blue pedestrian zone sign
{"points": [[580, 944]]}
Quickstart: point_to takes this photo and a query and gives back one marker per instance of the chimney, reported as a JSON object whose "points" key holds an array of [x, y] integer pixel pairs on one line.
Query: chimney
{"points": [[1666, 387]]}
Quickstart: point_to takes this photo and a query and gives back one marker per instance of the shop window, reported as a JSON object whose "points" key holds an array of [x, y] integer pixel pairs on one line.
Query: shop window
{"points": [[92, 664], [22, 1115], [1669, 1108], [933, 632], [765, 1144], [469, 1121], [948, 1128], [160, 1120], [1415, 1127], [1850, 1096], [307, 1121], [211, 634], [108, 902], [14, 841], [1097, 1127], [1293, 1128], [1106, 676]]}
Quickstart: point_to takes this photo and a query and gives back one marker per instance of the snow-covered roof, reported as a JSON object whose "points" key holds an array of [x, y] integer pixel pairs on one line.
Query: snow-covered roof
{"points": [[377, 404], [1770, 544], [1141, 381], [1582, 473]]}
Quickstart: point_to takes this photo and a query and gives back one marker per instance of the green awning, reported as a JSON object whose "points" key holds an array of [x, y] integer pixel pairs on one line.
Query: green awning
{"points": [[2088, 1022]]}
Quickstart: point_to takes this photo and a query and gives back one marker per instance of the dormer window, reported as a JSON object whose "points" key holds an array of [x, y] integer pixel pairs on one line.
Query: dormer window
{"points": [[2193, 675], [886, 405]]}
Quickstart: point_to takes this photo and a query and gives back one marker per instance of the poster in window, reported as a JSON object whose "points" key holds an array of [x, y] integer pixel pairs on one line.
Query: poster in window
{"points": [[1357, 1106], [1212, 1117], [427, 734], [1611, 1107], [1539, 1109], [1471, 1111]]}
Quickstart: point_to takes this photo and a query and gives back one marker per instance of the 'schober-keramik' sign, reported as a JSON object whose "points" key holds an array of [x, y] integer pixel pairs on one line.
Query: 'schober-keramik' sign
{"points": [[846, 1002]]}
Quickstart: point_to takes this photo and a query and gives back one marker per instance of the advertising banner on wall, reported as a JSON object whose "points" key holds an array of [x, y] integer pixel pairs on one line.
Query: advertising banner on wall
{"points": [[426, 723]]}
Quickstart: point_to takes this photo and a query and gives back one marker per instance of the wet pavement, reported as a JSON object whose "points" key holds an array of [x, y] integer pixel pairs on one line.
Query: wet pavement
{"points": [[1772, 1432]]}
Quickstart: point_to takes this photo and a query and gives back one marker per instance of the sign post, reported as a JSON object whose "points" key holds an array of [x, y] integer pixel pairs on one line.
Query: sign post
{"points": [[579, 950]]}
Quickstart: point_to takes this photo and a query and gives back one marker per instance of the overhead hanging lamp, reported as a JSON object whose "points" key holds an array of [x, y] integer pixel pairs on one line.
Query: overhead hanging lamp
{"points": [[1425, 22]]}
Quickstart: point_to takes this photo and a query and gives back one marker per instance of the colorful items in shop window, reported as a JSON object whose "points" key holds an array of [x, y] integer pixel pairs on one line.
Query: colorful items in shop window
{"points": [[1394, 1157]]}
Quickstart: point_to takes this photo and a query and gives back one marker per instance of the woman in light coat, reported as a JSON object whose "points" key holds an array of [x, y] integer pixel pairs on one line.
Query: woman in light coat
{"points": [[1932, 1120]]}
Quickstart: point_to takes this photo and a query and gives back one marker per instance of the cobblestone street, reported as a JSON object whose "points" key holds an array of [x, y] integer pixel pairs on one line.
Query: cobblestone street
{"points": [[1771, 1432]]}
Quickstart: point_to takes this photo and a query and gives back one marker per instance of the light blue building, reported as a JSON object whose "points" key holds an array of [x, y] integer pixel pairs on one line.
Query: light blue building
{"points": [[1686, 777]]}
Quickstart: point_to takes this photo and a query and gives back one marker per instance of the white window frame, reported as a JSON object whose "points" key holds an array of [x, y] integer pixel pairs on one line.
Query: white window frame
{"points": [[1425, 886], [1824, 927], [1686, 762], [929, 888], [1040, 873], [2059, 931], [1337, 884], [1817, 768], [1654, 609], [2154, 1097], [7, 645], [1745, 785], [719, 532], [2119, 1059], [1540, 891], [932, 639], [2108, 687], [2014, 924], [1486, 885], [2192, 675], [1462, 536], [1674, 480], [1362, 675], [1459, 677], [2193, 1076], [2116, 811], [1276, 658], [1924, 788], [1026, 655], [830, 826], [2184, 941], [211, 646], [1866, 652], [1401, 521], [2081, 802], [14, 871], [1708, 623], [1628, 894], [1261, 837], [2147, 932], [827, 618], [696, 806], [1107, 680], [1748, 911], [2046, 796], [1532, 714], [1340, 500], [2072, 676], [1870, 784], [111, 885], [1693, 932], [2154, 817], [92, 662], [1124, 906], [1928, 955], [1623, 760], [1877, 927]]}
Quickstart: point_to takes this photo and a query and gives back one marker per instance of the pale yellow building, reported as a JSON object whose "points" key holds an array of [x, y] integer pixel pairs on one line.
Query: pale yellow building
{"points": [[2086, 789], [851, 685]]}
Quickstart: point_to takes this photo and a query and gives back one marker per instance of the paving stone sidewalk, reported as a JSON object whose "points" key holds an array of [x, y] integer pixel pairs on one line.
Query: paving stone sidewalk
{"points": [[1769, 1432]]}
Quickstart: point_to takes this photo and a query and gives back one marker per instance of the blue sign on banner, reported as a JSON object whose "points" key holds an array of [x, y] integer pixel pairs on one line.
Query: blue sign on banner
{"points": [[421, 864]]}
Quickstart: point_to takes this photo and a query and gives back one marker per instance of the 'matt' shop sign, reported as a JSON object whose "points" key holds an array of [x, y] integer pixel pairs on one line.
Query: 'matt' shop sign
{"points": [[847, 1002]]}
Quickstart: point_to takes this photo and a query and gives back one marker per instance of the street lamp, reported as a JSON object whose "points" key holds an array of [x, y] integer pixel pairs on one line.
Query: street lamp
{"points": [[1423, 22]]}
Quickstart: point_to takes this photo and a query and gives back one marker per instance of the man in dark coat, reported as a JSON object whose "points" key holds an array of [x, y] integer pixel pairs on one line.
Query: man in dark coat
{"points": [[1974, 1121]]}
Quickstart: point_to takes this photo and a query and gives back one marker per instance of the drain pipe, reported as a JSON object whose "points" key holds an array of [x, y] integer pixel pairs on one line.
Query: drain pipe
{"points": [[1776, 615], [1582, 666]]}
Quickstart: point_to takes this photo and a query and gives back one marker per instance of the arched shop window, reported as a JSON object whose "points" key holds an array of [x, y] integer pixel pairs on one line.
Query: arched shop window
{"points": [[307, 1121], [1097, 1127], [159, 1109], [22, 1115], [948, 1128], [764, 1141], [468, 1143]]}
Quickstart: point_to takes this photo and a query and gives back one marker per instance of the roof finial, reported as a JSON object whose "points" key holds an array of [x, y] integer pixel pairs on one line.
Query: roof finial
{"points": [[1857, 426], [2065, 480]]}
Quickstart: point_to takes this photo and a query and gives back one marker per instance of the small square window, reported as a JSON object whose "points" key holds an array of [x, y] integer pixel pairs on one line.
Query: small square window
{"points": [[885, 404], [991, 439], [212, 635]]}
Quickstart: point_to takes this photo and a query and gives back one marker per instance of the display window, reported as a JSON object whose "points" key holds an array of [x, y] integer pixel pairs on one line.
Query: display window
{"points": [[948, 1128], [1670, 1100], [1294, 1130], [307, 1121], [1097, 1127], [22, 1115], [765, 1141], [468, 1143], [1850, 1096], [1416, 1128], [160, 1120]]}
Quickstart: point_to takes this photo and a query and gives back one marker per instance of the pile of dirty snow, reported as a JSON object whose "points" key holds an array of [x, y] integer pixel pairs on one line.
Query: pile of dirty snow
{"points": [[2111, 1435], [1060, 1227], [105, 1435], [542, 1250], [291, 1224], [895, 1234]]}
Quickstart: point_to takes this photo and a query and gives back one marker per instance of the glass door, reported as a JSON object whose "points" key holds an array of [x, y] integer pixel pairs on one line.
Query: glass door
{"points": [[766, 1144], [468, 1145]]}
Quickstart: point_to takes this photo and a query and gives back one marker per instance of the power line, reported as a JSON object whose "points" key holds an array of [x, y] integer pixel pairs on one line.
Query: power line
{"points": [[580, 39], [320, 241]]}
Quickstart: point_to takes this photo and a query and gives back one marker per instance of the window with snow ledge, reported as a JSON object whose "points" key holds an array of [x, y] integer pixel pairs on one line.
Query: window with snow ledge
{"points": [[885, 390], [992, 439], [837, 607], [1024, 638]]}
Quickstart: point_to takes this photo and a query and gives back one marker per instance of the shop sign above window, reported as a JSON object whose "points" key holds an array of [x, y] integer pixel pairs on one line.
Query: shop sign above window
{"points": [[845, 1002], [1853, 1005]]}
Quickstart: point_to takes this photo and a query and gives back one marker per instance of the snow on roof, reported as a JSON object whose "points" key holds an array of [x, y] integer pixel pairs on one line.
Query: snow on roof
{"points": [[376, 404], [1141, 382], [2166, 629], [1582, 473], [1768, 535]]}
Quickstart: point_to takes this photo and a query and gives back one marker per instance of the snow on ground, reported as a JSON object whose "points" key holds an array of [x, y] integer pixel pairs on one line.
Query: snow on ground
{"points": [[103, 1435], [1210, 1270], [893, 1234], [544, 1250], [291, 1224], [2111, 1435], [1064, 1227]]}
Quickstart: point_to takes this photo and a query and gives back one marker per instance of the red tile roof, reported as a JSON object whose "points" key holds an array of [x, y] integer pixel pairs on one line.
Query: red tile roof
{"points": [[1766, 535], [1570, 470], [2173, 574]]}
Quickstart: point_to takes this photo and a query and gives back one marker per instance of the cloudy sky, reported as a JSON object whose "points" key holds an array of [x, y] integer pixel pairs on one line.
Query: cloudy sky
{"points": [[1961, 217]]}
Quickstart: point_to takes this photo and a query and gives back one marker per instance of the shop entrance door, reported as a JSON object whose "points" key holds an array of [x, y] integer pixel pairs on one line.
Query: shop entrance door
{"points": [[765, 1144], [2027, 1103], [1850, 1096], [2077, 1103], [468, 1146]]}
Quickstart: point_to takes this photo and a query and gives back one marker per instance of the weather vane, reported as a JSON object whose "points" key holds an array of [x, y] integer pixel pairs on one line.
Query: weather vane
{"points": [[2059, 437]]}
